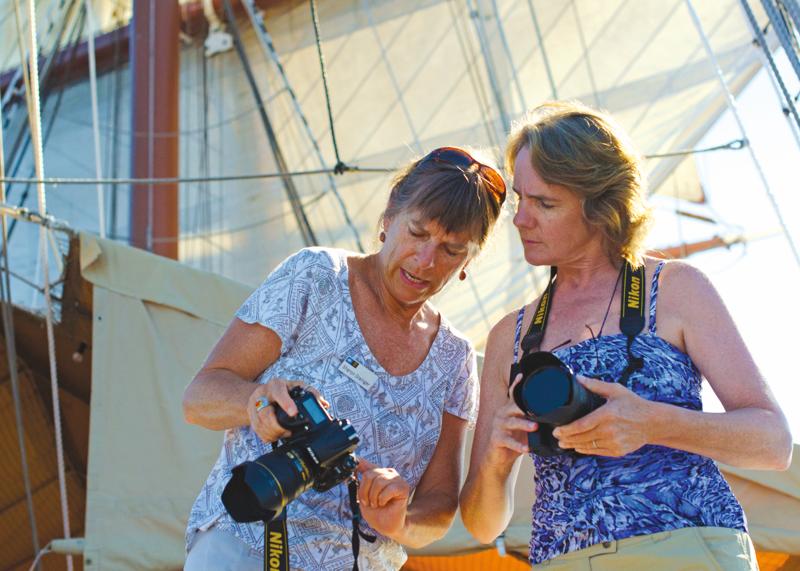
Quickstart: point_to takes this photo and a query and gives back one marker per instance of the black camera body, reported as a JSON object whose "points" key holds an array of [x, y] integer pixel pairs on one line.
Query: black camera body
{"points": [[318, 454], [550, 394]]}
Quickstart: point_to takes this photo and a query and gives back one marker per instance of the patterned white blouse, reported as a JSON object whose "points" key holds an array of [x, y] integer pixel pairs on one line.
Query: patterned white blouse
{"points": [[307, 302]]}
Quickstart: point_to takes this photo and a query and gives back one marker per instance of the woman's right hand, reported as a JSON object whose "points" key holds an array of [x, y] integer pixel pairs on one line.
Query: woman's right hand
{"points": [[263, 417], [510, 428]]}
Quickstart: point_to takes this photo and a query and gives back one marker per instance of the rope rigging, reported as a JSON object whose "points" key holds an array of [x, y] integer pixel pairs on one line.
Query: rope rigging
{"points": [[292, 194], [735, 145], [731, 100], [36, 139], [73, 42], [340, 166]]}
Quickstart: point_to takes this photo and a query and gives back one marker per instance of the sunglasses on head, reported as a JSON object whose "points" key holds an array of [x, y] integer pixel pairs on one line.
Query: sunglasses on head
{"points": [[462, 159]]}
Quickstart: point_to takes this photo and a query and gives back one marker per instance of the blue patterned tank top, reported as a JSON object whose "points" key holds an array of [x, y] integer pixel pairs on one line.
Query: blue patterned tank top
{"points": [[584, 500]]}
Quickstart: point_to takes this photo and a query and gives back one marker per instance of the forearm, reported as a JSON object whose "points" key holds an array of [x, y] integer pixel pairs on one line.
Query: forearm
{"points": [[428, 519], [486, 500], [217, 400], [752, 438]]}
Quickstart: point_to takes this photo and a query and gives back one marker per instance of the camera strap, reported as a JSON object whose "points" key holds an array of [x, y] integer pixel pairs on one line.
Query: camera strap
{"points": [[276, 539], [533, 338], [631, 316], [276, 544], [355, 507]]}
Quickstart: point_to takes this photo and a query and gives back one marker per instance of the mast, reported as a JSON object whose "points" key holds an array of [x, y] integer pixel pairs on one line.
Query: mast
{"points": [[155, 60]]}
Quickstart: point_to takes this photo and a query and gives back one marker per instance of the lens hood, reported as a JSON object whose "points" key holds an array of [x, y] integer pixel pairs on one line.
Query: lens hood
{"points": [[546, 386]]}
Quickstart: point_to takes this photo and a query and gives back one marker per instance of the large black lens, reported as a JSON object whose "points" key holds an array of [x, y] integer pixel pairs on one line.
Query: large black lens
{"points": [[545, 390], [259, 490]]}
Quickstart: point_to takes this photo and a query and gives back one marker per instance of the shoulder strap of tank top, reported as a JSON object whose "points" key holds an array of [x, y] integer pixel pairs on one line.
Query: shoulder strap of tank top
{"points": [[518, 332], [654, 296]]}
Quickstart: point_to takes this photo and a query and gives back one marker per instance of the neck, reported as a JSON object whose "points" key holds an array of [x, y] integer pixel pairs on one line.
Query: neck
{"points": [[404, 314], [585, 272]]}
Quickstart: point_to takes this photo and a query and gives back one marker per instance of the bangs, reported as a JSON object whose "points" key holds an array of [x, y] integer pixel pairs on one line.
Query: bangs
{"points": [[456, 201]]}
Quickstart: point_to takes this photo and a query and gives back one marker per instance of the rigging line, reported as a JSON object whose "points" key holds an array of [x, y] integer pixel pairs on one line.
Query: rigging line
{"points": [[20, 152], [257, 19], [470, 70], [151, 121], [87, 6], [36, 135], [114, 147], [181, 132], [29, 283], [24, 67], [11, 354], [205, 217], [47, 67], [483, 40], [75, 39], [340, 166], [585, 48], [734, 145], [735, 112], [55, 181], [392, 76], [477, 83], [12, 91], [783, 30], [545, 59], [765, 48], [27, 215], [243, 228], [509, 56], [288, 182]]}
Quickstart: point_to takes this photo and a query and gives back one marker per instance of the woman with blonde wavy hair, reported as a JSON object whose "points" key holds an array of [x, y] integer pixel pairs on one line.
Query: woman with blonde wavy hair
{"points": [[632, 484]]}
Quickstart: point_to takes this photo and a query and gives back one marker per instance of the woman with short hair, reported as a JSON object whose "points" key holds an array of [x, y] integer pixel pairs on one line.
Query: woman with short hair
{"points": [[632, 484], [322, 313]]}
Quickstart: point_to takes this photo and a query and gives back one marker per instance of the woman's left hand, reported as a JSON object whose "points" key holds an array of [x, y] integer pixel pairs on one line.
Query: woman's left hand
{"points": [[617, 428], [383, 495]]}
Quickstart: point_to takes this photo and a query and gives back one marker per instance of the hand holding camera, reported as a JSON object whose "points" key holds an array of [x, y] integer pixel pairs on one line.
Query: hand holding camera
{"points": [[549, 393], [264, 418], [510, 428], [317, 453], [616, 429]]}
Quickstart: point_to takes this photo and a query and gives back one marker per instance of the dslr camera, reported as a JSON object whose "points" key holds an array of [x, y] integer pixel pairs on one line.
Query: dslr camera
{"points": [[550, 394], [318, 454]]}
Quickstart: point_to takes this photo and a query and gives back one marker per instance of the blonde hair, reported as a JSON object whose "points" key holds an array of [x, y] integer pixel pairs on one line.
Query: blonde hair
{"points": [[584, 150]]}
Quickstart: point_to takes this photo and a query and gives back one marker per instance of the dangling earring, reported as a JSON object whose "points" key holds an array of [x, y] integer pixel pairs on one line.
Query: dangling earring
{"points": [[382, 236], [463, 275]]}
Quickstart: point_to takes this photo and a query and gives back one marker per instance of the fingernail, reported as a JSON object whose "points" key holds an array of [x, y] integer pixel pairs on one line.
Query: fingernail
{"points": [[557, 432]]}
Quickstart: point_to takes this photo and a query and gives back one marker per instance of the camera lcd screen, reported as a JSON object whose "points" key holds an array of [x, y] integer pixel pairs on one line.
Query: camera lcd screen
{"points": [[314, 411]]}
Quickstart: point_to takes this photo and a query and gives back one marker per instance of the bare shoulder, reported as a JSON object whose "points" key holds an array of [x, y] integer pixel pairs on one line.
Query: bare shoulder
{"points": [[499, 350], [689, 307], [501, 336], [684, 286]]}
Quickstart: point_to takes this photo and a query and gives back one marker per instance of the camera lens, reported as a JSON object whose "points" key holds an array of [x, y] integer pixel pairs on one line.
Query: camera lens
{"points": [[545, 390], [259, 490]]}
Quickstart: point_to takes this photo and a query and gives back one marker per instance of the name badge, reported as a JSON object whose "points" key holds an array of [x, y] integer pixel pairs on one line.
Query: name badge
{"points": [[354, 370]]}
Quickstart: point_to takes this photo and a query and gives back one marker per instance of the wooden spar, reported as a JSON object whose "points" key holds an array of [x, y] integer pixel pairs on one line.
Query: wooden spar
{"points": [[685, 250]]}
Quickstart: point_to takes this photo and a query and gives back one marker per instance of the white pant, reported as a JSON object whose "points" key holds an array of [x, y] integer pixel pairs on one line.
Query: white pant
{"points": [[215, 550]]}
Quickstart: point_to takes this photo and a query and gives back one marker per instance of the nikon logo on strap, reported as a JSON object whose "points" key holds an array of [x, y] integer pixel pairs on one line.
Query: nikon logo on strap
{"points": [[275, 549], [542, 311], [276, 544], [634, 294]]}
